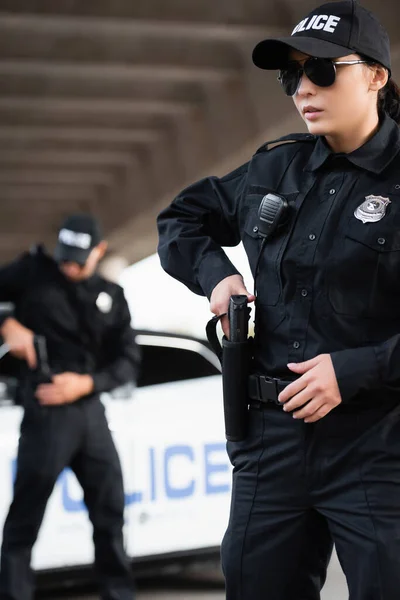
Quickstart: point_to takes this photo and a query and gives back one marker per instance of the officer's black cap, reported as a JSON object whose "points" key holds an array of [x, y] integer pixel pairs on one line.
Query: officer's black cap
{"points": [[332, 30], [77, 237]]}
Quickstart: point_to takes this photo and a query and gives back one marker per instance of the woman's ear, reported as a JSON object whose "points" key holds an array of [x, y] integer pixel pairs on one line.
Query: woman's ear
{"points": [[379, 78]]}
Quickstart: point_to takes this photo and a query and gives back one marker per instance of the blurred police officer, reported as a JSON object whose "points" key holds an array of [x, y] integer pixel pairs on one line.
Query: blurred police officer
{"points": [[91, 349]]}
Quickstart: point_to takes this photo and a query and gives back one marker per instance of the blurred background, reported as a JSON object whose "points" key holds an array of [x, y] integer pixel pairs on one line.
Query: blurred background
{"points": [[113, 106]]}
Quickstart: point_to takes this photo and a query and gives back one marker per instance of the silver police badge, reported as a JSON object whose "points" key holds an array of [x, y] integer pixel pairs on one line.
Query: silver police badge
{"points": [[372, 210], [104, 302]]}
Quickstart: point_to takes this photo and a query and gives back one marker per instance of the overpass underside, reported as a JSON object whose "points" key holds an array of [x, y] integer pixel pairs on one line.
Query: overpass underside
{"points": [[112, 106]]}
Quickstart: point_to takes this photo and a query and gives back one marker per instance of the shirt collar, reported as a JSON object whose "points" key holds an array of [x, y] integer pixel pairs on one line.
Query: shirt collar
{"points": [[374, 155]]}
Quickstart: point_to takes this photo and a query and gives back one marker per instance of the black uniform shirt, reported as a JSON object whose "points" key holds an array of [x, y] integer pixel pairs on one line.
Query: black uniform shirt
{"points": [[328, 282], [87, 325]]}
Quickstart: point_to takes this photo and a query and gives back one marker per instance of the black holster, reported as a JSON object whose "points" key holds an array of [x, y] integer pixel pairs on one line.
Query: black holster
{"points": [[235, 359], [235, 375]]}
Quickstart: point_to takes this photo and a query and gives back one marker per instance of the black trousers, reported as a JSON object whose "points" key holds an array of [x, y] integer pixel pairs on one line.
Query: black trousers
{"points": [[75, 435], [292, 482]]}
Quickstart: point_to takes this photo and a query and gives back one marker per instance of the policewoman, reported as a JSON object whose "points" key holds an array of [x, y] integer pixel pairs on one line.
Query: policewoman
{"points": [[323, 444], [91, 348]]}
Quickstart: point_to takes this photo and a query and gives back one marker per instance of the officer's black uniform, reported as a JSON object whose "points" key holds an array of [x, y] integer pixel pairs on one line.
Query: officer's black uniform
{"points": [[81, 339], [327, 283]]}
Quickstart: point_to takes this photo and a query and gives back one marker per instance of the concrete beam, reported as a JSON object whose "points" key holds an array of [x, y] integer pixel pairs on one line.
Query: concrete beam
{"points": [[202, 11], [70, 193], [51, 176], [194, 139], [229, 115], [21, 240], [65, 158], [128, 28], [136, 187], [18, 135], [30, 84], [38, 221], [97, 106], [112, 73]]}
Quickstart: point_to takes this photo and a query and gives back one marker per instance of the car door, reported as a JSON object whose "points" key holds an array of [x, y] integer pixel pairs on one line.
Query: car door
{"points": [[178, 475]]}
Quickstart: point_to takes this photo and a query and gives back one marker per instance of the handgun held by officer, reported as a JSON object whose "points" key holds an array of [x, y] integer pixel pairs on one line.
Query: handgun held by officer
{"points": [[221, 294], [317, 385]]}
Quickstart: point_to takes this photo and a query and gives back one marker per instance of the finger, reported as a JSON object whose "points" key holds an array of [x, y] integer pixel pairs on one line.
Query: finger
{"points": [[31, 356], [46, 399], [40, 395], [307, 411], [47, 391], [245, 292], [45, 387], [292, 389], [43, 396], [305, 366], [17, 350], [17, 354], [225, 326], [319, 414], [299, 399], [49, 401], [242, 290]]}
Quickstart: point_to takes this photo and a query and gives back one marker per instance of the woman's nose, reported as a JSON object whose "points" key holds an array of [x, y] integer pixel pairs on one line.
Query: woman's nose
{"points": [[306, 86]]}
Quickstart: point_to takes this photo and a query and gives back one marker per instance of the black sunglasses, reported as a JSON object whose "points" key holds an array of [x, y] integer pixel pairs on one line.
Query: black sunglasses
{"points": [[321, 71]]}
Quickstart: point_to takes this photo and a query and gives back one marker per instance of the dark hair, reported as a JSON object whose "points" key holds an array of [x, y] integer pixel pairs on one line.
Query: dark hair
{"points": [[389, 100], [388, 96]]}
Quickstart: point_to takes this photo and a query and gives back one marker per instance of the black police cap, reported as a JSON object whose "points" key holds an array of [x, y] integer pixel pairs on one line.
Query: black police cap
{"points": [[332, 30]]}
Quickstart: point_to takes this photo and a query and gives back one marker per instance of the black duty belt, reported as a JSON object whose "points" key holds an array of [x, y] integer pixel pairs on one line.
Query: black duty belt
{"points": [[266, 389]]}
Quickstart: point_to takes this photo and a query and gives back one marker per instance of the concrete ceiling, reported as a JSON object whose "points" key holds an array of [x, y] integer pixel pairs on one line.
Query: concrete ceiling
{"points": [[112, 106]]}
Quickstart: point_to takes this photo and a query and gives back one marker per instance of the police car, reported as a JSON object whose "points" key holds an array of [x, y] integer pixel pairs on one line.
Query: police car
{"points": [[169, 432]]}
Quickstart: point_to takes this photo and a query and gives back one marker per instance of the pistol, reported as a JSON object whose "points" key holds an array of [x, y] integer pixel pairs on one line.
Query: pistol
{"points": [[43, 368], [238, 315]]}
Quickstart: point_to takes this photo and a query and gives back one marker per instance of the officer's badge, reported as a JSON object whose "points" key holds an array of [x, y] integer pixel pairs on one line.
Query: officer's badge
{"points": [[372, 210], [104, 302]]}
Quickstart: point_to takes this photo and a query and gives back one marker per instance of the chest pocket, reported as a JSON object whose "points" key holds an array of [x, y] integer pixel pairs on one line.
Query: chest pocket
{"points": [[364, 278]]}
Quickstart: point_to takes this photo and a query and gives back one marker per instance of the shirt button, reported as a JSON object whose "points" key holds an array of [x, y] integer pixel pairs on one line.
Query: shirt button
{"points": [[381, 241], [296, 345], [311, 237], [397, 186], [255, 229], [304, 293], [332, 191]]}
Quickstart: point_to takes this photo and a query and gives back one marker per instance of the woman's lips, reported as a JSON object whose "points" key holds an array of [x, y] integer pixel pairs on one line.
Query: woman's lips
{"points": [[311, 113]]}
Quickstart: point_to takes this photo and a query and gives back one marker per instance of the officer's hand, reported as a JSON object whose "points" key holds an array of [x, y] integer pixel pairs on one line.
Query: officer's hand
{"points": [[20, 341], [65, 389], [221, 294], [317, 388]]}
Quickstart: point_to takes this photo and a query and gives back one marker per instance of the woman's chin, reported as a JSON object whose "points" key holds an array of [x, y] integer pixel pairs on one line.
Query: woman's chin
{"points": [[317, 128]]}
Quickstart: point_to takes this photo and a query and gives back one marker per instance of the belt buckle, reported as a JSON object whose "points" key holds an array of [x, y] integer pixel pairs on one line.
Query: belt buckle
{"points": [[269, 389]]}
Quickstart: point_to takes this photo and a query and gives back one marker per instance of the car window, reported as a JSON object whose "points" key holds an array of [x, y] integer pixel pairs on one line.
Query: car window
{"points": [[163, 360], [7, 390], [165, 364]]}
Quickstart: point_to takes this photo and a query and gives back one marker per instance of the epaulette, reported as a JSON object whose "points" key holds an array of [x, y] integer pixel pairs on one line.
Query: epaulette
{"points": [[292, 137]]}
